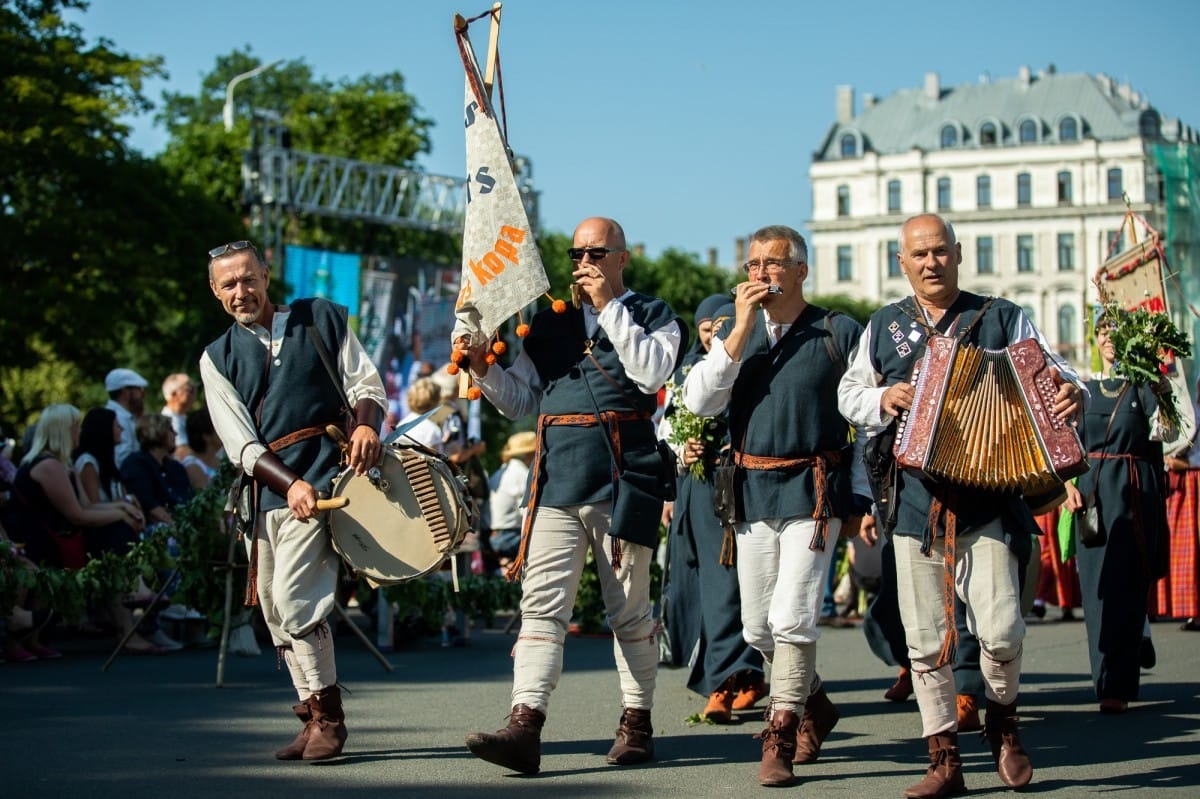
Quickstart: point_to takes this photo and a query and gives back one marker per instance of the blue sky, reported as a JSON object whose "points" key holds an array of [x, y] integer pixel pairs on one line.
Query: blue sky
{"points": [[692, 123]]}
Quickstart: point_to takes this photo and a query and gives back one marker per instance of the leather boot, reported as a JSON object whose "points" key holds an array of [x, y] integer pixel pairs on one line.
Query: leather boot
{"points": [[778, 749], [518, 746], [902, 688], [635, 739], [719, 709], [327, 734], [295, 750], [944, 777], [1000, 729], [968, 713], [820, 717]]}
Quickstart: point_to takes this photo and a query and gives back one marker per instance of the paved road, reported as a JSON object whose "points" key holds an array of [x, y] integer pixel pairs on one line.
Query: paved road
{"points": [[156, 727]]}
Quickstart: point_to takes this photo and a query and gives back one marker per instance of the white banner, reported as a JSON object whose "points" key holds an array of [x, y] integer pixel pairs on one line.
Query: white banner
{"points": [[502, 270]]}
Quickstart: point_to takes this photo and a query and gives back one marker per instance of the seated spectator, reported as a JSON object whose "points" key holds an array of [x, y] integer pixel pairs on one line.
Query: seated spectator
{"points": [[157, 480], [179, 393], [47, 513], [507, 497], [202, 455]]}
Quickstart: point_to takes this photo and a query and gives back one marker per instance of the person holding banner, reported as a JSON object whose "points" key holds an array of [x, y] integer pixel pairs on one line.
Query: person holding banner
{"points": [[598, 484], [269, 378], [774, 368]]}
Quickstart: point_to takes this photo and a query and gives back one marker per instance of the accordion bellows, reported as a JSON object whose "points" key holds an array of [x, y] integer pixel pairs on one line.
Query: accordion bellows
{"points": [[985, 418]]}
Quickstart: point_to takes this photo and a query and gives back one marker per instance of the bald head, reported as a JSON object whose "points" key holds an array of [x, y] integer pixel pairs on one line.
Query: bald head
{"points": [[923, 220], [609, 230]]}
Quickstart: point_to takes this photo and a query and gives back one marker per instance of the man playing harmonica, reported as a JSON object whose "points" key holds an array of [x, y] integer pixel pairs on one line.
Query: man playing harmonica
{"points": [[775, 367], [976, 524]]}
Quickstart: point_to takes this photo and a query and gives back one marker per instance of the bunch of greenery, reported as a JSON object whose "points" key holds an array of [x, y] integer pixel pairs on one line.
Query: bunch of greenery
{"points": [[686, 425], [1143, 340]]}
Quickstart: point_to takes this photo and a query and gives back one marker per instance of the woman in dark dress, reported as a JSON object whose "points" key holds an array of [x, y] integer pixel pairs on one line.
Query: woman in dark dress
{"points": [[1122, 432], [702, 605]]}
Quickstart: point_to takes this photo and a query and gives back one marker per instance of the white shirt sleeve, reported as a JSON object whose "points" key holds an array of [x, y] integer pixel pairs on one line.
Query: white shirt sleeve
{"points": [[861, 389], [649, 358], [230, 417], [709, 384]]}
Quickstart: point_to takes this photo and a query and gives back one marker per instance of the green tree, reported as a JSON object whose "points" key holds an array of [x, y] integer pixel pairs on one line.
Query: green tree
{"points": [[97, 244]]}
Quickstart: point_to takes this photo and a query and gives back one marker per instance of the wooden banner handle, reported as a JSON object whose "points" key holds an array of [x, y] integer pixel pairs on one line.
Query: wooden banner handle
{"points": [[333, 504]]}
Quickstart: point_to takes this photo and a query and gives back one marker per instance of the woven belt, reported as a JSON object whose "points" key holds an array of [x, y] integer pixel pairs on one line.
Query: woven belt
{"points": [[819, 463]]}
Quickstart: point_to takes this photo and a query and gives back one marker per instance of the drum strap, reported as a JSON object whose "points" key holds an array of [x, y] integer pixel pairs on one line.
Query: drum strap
{"points": [[610, 419]]}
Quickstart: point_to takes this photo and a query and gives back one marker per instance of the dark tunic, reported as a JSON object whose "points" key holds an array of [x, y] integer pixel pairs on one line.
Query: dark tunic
{"points": [[1116, 577], [576, 463], [784, 405], [295, 389]]}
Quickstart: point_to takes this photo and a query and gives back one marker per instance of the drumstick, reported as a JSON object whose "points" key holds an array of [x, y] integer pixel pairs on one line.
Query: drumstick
{"points": [[333, 503]]}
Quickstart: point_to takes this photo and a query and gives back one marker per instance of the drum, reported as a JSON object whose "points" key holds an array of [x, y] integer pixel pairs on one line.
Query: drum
{"points": [[403, 518]]}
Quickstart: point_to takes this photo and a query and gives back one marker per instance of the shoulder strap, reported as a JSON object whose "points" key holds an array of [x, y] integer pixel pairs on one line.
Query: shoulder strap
{"points": [[323, 352], [831, 345]]}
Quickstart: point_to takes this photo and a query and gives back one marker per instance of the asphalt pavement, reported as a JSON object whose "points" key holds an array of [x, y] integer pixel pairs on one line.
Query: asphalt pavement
{"points": [[158, 727]]}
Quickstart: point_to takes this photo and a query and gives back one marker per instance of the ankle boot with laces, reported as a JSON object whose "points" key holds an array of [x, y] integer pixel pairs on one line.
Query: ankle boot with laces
{"points": [[944, 777], [778, 749], [327, 731], [819, 719], [295, 750], [635, 739], [518, 746]]}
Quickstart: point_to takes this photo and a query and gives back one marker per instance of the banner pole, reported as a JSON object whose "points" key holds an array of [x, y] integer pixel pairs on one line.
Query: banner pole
{"points": [[489, 72]]}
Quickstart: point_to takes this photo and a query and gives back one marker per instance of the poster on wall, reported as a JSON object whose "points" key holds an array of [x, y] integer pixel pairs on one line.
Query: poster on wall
{"points": [[335, 276]]}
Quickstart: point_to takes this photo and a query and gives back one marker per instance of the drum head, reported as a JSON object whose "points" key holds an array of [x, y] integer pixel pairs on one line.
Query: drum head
{"points": [[381, 531]]}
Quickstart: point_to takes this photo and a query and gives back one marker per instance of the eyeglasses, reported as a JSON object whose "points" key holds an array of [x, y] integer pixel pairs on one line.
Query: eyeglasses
{"points": [[596, 253], [233, 246], [770, 266]]}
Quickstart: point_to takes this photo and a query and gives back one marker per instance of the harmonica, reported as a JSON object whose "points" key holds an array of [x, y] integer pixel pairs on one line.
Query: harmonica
{"points": [[576, 295], [771, 289]]}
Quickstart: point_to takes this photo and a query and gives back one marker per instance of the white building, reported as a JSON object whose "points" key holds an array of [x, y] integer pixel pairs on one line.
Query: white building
{"points": [[1030, 170]]}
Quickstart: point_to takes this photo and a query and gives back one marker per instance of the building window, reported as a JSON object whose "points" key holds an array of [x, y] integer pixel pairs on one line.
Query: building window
{"points": [[1148, 125], [983, 191], [893, 196], [1066, 331], [1068, 130], [943, 194], [949, 136], [1064, 188], [1024, 190], [1066, 252], [845, 263], [1114, 242], [893, 259], [843, 194], [1116, 185], [849, 146], [1029, 132], [1024, 253], [984, 256], [987, 135]]}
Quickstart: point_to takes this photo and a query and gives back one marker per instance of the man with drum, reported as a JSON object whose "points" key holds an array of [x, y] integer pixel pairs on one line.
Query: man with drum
{"points": [[591, 374], [976, 525], [271, 393]]}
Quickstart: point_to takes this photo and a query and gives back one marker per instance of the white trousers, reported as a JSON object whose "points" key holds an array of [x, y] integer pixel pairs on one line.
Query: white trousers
{"points": [[985, 578], [782, 584], [558, 547]]}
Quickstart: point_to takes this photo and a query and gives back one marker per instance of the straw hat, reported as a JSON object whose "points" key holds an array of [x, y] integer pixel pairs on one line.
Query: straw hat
{"points": [[518, 444]]}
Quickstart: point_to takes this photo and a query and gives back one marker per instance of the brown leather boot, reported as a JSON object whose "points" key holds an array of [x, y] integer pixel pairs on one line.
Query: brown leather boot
{"points": [[1000, 729], [518, 746], [944, 777], [968, 713], [327, 734], [635, 739], [295, 750], [820, 717], [778, 749]]}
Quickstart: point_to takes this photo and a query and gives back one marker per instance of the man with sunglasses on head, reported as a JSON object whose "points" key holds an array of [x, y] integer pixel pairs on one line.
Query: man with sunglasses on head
{"points": [[775, 368], [271, 395], [597, 483]]}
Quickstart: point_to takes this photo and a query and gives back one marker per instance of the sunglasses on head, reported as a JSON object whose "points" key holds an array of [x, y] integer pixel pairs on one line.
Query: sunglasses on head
{"points": [[596, 253], [233, 246]]}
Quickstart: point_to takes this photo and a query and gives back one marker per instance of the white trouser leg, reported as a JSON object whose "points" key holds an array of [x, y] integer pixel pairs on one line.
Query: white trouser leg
{"points": [[792, 673], [314, 654], [299, 680]]}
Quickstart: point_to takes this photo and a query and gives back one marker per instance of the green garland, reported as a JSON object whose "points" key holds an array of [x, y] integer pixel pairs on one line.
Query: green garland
{"points": [[1141, 340]]}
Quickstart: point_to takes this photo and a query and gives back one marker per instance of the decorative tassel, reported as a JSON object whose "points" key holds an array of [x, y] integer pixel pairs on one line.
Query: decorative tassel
{"points": [[728, 547], [616, 553]]}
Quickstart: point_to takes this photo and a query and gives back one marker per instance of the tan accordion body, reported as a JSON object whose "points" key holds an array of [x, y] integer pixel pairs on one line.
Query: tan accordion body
{"points": [[985, 418]]}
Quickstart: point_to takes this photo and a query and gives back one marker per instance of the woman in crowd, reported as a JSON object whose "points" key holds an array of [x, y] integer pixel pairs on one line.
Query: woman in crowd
{"points": [[100, 482], [47, 513], [202, 454], [157, 480], [1121, 430]]}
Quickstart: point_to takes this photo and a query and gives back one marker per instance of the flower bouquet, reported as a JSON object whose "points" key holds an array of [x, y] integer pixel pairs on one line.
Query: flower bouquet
{"points": [[686, 425], [1144, 341]]}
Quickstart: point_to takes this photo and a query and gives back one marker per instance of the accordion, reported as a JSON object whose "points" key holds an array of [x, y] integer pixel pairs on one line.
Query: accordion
{"points": [[985, 418]]}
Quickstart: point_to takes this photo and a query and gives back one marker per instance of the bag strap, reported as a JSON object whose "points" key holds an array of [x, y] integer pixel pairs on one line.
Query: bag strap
{"points": [[327, 360]]}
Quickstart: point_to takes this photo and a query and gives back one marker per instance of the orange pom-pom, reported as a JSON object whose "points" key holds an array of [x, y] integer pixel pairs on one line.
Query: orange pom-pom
{"points": [[522, 331], [452, 368], [473, 393], [490, 358], [559, 306], [499, 347]]}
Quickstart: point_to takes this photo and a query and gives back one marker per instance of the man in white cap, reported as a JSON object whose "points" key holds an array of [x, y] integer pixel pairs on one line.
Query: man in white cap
{"points": [[127, 398]]}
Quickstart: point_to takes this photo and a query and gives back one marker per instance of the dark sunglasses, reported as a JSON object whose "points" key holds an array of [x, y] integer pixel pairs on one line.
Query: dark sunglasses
{"points": [[596, 253], [233, 246]]}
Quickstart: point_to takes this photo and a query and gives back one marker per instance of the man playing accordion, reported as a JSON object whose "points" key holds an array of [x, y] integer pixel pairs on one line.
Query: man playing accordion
{"points": [[940, 526]]}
